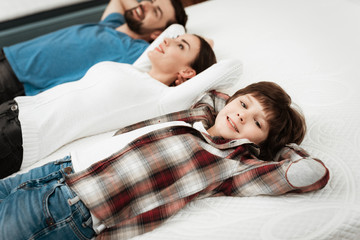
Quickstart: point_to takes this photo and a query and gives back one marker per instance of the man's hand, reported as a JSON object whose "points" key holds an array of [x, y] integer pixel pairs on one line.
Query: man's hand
{"points": [[119, 6]]}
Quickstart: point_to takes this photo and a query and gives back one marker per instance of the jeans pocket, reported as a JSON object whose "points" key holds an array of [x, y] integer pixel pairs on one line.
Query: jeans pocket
{"points": [[39, 209], [67, 220], [55, 205], [27, 208]]}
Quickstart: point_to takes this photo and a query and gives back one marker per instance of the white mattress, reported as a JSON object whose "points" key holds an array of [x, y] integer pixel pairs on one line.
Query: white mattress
{"points": [[312, 49], [12, 9]]}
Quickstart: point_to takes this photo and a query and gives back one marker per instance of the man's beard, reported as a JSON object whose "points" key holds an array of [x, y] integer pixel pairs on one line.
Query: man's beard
{"points": [[134, 24]]}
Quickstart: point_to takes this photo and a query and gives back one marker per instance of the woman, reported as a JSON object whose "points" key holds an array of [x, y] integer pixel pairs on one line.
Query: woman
{"points": [[106, 98]]}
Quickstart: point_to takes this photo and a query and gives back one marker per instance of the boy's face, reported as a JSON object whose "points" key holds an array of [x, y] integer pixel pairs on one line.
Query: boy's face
{"points": [[243, 117]]}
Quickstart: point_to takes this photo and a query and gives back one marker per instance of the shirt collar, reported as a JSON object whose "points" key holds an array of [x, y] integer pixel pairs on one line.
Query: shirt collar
{"points": [[222, 143]]}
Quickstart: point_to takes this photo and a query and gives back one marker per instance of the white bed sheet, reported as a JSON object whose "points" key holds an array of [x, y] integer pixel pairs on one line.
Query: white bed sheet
{"points": [[312, 49]]}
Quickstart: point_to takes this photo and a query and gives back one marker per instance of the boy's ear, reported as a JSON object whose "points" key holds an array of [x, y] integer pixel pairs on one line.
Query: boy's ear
{"points": [[155, 34]]}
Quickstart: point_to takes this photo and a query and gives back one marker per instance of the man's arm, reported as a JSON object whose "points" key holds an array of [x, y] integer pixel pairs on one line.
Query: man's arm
{"points": [[118, 6]]}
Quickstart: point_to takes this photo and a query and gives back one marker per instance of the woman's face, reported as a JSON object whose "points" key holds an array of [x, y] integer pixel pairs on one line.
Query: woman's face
{"points": [[243, 117], [175, 55]]}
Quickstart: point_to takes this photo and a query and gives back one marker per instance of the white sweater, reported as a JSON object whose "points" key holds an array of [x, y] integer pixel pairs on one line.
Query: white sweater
{"points": [[110, 96]]}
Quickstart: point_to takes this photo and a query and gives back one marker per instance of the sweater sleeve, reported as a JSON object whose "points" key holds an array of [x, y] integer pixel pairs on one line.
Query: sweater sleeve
{"points": [[221, 75]]}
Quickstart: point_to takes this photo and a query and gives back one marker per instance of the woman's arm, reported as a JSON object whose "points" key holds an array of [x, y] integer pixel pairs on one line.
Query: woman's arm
{"points": [[221, 75]]}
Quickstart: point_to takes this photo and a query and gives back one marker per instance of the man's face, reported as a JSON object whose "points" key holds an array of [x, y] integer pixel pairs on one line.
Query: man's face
{"points": [[149, 16]]}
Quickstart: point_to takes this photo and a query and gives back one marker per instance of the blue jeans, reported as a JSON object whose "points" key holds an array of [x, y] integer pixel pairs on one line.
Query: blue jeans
{"points": [[39, 205]]}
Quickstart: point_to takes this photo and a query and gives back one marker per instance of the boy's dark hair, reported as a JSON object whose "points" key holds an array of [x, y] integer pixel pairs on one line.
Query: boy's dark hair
{"points": [[180, 14], [205, 58], [286, 124]]}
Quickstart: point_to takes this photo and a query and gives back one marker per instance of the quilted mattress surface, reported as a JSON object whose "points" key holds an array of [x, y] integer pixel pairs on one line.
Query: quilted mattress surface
{"points": [[312, 49]]}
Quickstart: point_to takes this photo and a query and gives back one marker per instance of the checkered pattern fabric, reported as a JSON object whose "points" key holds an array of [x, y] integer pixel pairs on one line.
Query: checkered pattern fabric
{"points": [[155, 176]]}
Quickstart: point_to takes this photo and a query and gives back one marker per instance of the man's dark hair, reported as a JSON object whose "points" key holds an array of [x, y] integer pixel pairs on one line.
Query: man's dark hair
{"points": [[180, 14]]}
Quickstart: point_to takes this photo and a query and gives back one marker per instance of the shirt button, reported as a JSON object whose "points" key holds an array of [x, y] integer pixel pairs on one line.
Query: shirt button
{"points": [[14, 107]]}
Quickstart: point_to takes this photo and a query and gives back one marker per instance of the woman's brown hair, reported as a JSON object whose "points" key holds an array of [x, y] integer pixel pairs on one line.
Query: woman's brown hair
{"points": [[286, 124], [205, 58]]}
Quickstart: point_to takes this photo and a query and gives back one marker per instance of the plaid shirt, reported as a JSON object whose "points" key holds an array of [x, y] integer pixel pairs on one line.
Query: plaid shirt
{"points": [[153, 177]]}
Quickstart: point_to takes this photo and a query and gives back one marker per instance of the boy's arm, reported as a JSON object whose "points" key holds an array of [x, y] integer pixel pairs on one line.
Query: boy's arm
{"points": [[295, 171], [304, 173], [119, 6]]}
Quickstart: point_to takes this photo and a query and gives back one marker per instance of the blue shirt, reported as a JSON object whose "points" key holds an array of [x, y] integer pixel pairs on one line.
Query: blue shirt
{"points": [[66, 55]]}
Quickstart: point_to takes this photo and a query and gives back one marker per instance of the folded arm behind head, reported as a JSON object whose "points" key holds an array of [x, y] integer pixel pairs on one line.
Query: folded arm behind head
{"points": [[118, 6], [204, 59], [161, 7]]}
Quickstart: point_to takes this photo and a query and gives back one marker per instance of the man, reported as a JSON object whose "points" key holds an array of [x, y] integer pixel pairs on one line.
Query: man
{"points": [[124, 32]]}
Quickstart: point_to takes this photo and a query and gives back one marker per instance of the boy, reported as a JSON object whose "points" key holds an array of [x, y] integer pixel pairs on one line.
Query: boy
{"points": [[154, 168]]}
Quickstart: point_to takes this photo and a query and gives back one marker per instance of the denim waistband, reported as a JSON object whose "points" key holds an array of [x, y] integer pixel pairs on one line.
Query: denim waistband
{"points": [[68, 192]]}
